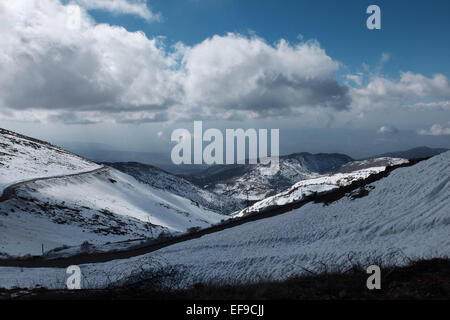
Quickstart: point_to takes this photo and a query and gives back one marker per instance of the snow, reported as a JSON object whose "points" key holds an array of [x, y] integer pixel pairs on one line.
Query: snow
{"points": [[261, 181], [100, 207], [97, 204], [405, 216], [23, 158], [163, 180], [307, 187], [375, 162]]}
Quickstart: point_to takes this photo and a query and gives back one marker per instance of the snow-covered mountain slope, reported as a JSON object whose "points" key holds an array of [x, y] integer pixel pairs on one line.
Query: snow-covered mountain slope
{"points": [[370, 163], [257, 182], [66, 200], [405, 216], [177, 185], [340, 177], [343, 176], [102, 207], [23, 158]]}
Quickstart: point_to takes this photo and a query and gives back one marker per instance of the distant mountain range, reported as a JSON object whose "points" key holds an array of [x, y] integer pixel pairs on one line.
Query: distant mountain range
{"points": [[415, 153], [105, 153]]}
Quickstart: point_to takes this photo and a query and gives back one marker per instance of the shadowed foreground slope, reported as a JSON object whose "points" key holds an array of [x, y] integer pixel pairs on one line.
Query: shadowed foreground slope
{"points": [[426, 279]]}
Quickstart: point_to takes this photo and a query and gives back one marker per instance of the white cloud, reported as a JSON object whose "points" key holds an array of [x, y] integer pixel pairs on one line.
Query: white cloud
{"points": [[434, 105], [381, 92], [235, 73], [138, 8], [355, 78], [388, 130], [96, 73], [435, 130]]}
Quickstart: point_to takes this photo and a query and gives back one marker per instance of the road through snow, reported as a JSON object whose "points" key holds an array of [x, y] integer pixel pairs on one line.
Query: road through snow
{"points": [[9, 191]]}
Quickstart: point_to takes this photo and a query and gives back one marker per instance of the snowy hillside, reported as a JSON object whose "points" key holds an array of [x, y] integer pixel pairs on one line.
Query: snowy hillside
{"points": [[163, 180], [348, 173], [370, 163], [102, 207], [405, 216], [24, 158], [64, 200], [257, 182]]}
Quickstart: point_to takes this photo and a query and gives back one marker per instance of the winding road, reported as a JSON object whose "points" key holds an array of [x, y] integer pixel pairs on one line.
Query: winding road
{"points": [[10, 191]]}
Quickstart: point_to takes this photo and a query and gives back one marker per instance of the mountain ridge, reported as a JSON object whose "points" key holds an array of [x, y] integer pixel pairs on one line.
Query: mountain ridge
{"points": [[255, 182], [413, 153]]}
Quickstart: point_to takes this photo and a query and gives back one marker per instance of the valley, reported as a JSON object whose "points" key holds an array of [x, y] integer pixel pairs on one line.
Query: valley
{"points": [[142, 220]]}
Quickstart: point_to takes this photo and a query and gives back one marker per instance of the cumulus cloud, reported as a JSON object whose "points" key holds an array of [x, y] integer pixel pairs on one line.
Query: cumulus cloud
{"points": [[94, 73], [236, 73], [435, 130], [138, 8], [382, 92]]}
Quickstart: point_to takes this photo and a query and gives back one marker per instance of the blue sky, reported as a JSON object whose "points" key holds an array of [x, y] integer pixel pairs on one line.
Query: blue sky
{"points": [[413, 32], [333, 86]]}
